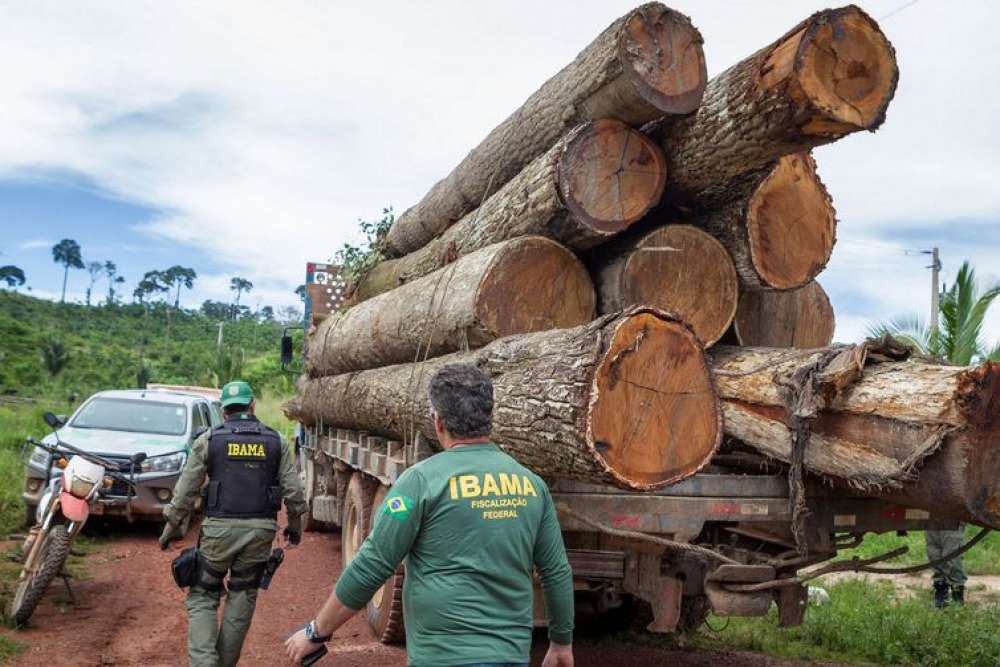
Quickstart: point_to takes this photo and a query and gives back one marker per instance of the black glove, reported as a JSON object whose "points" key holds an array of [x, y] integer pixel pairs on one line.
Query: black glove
{"points": [[171, 531], [293, 532]]}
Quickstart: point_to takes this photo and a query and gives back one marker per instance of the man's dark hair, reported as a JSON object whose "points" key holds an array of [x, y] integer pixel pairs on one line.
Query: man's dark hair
{"points": [[462, 395], [235, 409]]}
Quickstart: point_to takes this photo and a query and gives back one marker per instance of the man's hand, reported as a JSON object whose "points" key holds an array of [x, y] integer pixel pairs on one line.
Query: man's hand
{"points": [[298, 646], [293, 532], [171, 531], [558, 655]]}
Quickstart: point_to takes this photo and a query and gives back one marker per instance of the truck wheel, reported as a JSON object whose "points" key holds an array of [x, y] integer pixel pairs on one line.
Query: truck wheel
{"points": [[355, 518], [385, 610], [311, 484], [31, 588]]}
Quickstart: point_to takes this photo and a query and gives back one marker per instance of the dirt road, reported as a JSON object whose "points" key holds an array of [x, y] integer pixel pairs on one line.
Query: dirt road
{"points": [[129, 612]]}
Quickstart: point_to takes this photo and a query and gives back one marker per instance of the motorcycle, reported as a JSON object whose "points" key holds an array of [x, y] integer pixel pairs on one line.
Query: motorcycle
{"points": [[62, 513]]}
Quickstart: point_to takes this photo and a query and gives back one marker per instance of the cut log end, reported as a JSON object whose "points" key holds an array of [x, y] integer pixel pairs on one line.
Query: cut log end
{"points": [[655, 417], [791, 224], [800, 318], [553, 289], [661, 53], [687, 272], [847, 69], [978, 395], [610, 175]]}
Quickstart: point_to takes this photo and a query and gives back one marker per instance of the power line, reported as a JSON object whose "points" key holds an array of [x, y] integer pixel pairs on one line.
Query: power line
{"points": [[898, 10]]}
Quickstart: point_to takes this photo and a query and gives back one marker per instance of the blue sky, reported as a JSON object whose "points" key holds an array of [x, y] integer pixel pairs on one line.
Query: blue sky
{"points": [[248, 138]]}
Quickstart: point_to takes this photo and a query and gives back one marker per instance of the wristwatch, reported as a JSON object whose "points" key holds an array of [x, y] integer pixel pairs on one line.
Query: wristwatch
{"points": [[312, 634]]}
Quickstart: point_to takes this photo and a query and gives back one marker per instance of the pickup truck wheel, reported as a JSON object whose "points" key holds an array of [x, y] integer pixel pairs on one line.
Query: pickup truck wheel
{"points": [[385, 610]]}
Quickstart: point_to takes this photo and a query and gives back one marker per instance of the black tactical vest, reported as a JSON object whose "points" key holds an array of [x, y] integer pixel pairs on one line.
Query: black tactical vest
{"points": [[244, 460]]}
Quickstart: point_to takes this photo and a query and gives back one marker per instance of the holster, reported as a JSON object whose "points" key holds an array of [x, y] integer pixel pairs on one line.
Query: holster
{"points": [[271, 566], [185, 567]]}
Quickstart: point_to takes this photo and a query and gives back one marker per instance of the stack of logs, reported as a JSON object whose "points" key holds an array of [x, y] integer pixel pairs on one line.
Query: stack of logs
{"points": [[595, 247]]}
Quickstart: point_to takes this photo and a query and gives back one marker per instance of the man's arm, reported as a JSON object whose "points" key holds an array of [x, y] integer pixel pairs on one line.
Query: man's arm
{"points": [[189, 484], [397, 524], [557, 584], [291, 491]]}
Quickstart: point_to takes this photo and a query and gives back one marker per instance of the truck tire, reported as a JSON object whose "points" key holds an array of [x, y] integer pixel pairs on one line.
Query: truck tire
{"points": [[30, 590], [312, 487], [385, 609], [355, 518]]}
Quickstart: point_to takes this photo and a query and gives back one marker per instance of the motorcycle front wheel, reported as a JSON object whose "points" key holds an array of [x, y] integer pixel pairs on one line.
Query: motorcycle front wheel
{"points": [[31, 587]]}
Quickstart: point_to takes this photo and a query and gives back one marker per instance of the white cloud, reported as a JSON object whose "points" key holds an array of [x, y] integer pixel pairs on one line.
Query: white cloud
{"points": [[34, 244], [264, 130]]}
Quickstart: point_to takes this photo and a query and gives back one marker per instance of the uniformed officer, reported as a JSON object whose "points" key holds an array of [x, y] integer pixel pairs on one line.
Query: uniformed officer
{"points": [[949, 575], [472, 524], [249, 471]]}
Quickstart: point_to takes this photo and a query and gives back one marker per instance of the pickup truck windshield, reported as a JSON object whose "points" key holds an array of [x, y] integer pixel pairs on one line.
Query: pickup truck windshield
{"points": [[121, 414]]}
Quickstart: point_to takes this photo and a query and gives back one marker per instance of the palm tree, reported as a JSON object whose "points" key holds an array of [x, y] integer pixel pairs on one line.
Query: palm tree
{"points": [[111, 270], [958, 338], [67, 253], [179, 276], [12, 275], [55, 356], [95, 269], [239, 285]]}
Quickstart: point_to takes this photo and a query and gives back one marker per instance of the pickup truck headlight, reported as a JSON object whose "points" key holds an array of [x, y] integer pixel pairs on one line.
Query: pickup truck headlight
{"points": [[166, 463], [39, 458]]}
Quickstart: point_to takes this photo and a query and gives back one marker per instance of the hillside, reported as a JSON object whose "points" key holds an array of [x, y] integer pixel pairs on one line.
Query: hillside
{"points": [[47, 348]]}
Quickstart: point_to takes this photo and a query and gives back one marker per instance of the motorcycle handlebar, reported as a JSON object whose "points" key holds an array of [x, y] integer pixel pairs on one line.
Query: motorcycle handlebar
{"points": [[93, 458]]}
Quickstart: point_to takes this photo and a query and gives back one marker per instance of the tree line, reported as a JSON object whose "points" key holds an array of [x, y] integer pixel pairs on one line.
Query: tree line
{"points": [[163, 283]]}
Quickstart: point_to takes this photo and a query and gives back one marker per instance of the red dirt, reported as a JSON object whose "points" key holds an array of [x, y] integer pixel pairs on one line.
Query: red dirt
{"points": [[129, 612]]}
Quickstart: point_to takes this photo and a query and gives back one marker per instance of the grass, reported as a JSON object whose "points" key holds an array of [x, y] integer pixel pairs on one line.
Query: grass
{"points": [[9, 649], [268, 410], [982, 559], [865, 623]]}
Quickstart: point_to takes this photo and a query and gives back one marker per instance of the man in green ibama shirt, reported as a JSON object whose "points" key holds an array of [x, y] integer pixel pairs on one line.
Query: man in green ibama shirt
{"points": [[472, 524]]}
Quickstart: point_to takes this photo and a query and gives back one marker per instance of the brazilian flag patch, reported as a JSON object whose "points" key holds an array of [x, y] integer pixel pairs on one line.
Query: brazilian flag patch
{"points": [[398, 507]]}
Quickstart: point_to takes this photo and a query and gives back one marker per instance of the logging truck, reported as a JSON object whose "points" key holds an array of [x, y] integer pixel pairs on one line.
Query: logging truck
{"points": [[667, 557]]}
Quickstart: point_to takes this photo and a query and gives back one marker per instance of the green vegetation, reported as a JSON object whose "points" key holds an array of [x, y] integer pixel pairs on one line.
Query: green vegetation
{"points": [[10, 648], [356, 260], [958, 338], [57, 350], [982, 559], [865, 622]]}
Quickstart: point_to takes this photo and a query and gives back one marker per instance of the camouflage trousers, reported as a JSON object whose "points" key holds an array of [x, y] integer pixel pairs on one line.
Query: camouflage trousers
{"points": [[241, 552], [943, 542]]}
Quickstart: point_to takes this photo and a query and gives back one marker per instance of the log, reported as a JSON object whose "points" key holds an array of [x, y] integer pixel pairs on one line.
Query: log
{"points": [[517, 286], [833, 74], [646, 64], [595, 182], [625, 399], [676, 268], [799, 318], [924, 435], [779, 224]]}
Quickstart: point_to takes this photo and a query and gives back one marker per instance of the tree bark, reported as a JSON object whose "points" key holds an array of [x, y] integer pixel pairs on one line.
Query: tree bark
{"points": [[779, 224], [626, 399], [526, 284], [595, 182], [833, 74], [676, 268], [922, 434], [646, 64], [800, 318]]}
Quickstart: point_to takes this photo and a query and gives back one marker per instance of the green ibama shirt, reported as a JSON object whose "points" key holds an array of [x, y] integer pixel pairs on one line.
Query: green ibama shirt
{"points": [[472, 524]]}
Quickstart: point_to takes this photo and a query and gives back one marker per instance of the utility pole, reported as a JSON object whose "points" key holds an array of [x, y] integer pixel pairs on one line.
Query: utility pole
{"points": [[935, 268]]}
